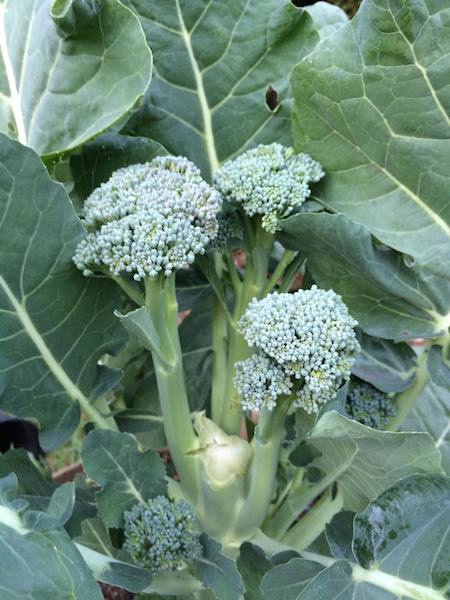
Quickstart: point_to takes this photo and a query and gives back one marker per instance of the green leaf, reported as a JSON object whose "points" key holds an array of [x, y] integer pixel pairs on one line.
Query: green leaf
{"points": [[102, 558], [68, 70], [37, 491], [409, 520], [139, 324], [431, 413], [389, 299], [253, 565], [401, 547], [127, 475], [365, 461], [38, 558], [372, 106], [218, 572], [388, 366], [284, 581], [55, 323], [327, 18], [201, 90], [339, 534], [99, 159]]}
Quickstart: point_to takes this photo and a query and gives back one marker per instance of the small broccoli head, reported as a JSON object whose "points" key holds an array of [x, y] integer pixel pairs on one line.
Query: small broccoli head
{"points": [[148, 219], [369, 405], [163, 535], [309, 335], [260, 381], [229, 230], [269, 180]]}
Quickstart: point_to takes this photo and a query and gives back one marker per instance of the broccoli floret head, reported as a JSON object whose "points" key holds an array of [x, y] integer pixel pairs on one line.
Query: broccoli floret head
{"points": [[148, 219], [269, 180], [163, 535], [369, 405], [310, 335], [260, 381]]}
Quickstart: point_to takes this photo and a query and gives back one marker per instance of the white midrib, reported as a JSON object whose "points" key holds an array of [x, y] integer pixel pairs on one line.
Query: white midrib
{"points": [[58, 372], [206, 112], [391, 583], [14, 94]]}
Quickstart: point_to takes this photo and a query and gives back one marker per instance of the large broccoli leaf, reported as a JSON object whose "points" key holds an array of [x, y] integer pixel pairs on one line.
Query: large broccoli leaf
{"points": [[69, 69], [55, 324], [38, 557], [221, 77], [372, 105], [365, 461], [401, 545], [390, 297]]}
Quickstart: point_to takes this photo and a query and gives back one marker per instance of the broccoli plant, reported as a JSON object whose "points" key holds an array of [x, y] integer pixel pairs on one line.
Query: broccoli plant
{"points": [[243, 325]]}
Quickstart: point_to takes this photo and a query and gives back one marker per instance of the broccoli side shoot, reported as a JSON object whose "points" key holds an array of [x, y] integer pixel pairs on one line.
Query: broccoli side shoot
{"points": [[369, 405], [307, 336], [163, 535], [269, 180], [148, 219]]}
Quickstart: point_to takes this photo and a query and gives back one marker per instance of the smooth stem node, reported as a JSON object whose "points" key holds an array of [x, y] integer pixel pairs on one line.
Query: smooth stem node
{"points": [[291, 273]]}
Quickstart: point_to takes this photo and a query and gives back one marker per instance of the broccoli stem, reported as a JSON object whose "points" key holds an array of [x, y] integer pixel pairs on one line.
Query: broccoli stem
{"points": [[311, 525], [266, 453], [258, 248], [406, 399], [299, 498], [288, 256], [220, 346], [161, 302]]}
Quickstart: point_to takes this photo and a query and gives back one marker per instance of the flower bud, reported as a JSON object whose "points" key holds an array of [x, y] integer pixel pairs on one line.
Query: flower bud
{"points": [[224, 456]]}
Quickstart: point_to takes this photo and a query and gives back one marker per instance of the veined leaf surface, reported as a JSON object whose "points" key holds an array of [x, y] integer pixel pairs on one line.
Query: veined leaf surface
{"points": [[69, 69], [373, 106], [55, 324], [221, 79]]}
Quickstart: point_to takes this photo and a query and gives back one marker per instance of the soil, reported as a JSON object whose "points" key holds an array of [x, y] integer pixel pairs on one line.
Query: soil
{"points": [[114, 593]]}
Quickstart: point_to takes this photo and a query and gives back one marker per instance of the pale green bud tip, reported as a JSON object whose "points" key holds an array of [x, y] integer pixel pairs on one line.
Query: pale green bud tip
{"points": [[162, 535], [269, 180], [260, 381], [149, 219], [224, 457], [369, 405], [309, 335]]}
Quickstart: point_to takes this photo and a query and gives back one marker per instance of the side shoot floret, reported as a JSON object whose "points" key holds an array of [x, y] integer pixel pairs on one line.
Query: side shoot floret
{"points": [[269, 180], [309, 336], [163, 535], [369, 405]]}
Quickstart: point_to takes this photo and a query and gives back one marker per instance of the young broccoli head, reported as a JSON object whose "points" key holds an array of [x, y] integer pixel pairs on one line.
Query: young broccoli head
{"points": [[369, 405], [309, 335], [163, 535], [260, 381], [269, 180], [148, 219]]}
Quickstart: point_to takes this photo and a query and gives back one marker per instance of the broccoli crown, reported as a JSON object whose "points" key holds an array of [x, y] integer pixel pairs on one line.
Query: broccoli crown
{"points": [[260, 381], [369, 405], [269, 180], [148, 218], [309, 335], [162, 535]]}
